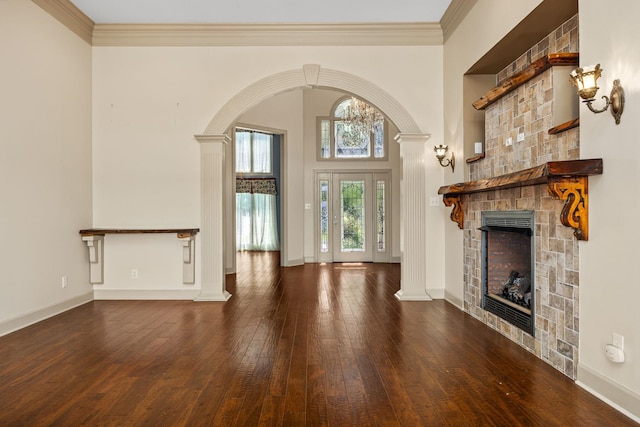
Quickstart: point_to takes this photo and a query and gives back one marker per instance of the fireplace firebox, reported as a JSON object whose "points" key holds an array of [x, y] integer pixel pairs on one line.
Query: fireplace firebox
{"points": [[508, 266]]}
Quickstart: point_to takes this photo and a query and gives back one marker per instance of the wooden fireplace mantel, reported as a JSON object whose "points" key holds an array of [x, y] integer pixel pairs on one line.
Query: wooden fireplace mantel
{"points": [[566, 180]]}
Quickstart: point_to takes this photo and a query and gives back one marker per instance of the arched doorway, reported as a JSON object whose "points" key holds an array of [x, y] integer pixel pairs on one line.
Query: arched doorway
{"points": [[215, 138]]}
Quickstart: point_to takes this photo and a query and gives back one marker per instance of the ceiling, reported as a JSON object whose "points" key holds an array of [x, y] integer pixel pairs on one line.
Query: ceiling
{"points": [[261, 11]]}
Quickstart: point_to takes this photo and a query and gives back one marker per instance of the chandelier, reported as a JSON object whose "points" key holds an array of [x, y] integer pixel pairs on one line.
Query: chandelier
{"points": [[362, 117]]}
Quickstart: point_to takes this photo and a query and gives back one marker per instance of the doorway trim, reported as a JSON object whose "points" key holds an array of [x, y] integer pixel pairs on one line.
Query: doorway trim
{"points": [[230, 192], [375, 176]]}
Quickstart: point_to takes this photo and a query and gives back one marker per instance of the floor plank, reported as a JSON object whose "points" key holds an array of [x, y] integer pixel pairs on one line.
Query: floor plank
{"points": [[316, 345]]}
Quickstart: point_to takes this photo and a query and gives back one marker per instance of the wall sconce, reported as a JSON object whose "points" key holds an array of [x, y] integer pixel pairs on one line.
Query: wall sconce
{"points": [[586, 79], [441, 151]]}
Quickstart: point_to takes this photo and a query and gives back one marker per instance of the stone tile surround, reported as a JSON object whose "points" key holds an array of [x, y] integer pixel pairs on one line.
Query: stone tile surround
{"points": [[529, 109]]}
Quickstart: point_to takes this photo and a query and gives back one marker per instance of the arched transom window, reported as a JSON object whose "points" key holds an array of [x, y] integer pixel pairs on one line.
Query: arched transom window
{"points": [[355, 130]]}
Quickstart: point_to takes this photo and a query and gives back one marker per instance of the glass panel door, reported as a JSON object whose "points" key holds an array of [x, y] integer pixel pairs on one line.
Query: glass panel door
{"points": [[352, 217]]}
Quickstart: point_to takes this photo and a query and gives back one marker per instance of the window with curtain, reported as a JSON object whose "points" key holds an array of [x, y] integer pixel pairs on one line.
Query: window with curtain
{"points": [[256, 198], [254, 152]]}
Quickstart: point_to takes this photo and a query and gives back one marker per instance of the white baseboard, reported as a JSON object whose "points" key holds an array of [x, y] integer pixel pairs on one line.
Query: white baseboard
{"points": [[140, 294], [309, 260], [28, 319], [436, 293], [619, 397], [396, 259], [403, 296], [453, 300], [293, 262]]}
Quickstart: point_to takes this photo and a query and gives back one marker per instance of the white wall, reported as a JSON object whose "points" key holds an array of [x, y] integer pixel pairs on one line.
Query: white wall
{"points": [[609, 294], [149, 102], [45, 165], [486, 24]]}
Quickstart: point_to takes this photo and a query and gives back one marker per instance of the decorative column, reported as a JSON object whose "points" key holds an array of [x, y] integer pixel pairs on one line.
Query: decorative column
{"points": [[212, 185], [413, 283]]}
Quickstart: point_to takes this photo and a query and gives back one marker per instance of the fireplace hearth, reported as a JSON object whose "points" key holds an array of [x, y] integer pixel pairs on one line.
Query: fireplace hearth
{"points": [[508, 266]]}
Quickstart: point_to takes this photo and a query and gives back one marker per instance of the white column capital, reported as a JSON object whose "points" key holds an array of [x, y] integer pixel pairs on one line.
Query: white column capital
{"points": [[213, 142], [412, 144], [412, 137]]}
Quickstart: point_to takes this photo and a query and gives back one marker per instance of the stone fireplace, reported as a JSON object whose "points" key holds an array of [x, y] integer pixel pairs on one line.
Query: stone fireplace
{"points": [[531, 167]]}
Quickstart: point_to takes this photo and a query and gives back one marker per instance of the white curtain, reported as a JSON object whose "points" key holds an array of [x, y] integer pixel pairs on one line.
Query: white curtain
{"points": [[253, 152], [256, 217]]}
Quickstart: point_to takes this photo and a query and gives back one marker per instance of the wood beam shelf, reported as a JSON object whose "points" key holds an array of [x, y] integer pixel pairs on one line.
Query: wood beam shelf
{"points": [[180, 232], [564, 127], [566, 180], [94, 238], [475, 158], [536, 68]]}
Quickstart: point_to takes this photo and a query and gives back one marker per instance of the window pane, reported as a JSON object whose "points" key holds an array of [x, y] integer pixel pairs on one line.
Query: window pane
{"points": [[261, 152], [380, 215], [352, 218], [325, 139], [378, 142], [351, 142], [243, 152], [342, 108], [324, 215]]}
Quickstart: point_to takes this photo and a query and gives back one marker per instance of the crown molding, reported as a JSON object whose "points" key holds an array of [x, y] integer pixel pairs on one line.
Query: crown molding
{"points": [[360, 34], [454, 15], [70, 16], [381, 34]]}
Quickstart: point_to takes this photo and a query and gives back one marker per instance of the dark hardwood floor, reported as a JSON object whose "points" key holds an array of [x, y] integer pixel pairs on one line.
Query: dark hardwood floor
{"points": [[309, 345]]}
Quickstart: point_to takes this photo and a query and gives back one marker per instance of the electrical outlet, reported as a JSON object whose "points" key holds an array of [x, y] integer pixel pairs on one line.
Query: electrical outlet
{"points": [[618, 341], [64, 281], [508, 142], [434, 201], [520, 137], [134, 274]]}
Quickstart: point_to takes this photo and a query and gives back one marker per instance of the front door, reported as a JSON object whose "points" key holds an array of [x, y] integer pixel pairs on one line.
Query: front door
{"points": [[353, 216]]}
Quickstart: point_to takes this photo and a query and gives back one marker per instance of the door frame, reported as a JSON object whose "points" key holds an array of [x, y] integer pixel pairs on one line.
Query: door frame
{"points": [[379, 256], [230, 194]]}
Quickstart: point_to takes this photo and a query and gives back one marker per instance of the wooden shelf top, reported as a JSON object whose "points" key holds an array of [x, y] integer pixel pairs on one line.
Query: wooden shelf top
{"points": [[475, 158], [564, 127], [181, 232], [532, 176], [536, 68]]}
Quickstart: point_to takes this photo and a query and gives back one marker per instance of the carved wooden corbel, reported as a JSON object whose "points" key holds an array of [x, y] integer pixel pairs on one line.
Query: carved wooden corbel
{"points": [[575, 213], [457, 214]]}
